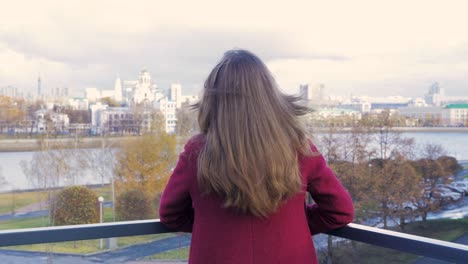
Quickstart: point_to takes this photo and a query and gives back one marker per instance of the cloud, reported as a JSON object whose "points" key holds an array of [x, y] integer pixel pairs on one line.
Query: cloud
{"points": [[356, 46]]}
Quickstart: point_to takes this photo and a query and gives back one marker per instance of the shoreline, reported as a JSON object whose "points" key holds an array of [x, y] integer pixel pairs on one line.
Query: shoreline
{"points": [[407, 129], [25, 144]]}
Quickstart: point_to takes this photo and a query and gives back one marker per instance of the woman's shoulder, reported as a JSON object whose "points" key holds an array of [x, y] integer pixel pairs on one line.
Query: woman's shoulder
{"points": [[194, 145], [312, 157]]}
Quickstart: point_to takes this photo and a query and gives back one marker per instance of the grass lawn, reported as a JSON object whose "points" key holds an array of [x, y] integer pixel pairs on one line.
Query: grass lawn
{"points": [[19, 199], [78, 247], [25, 223], [181, 253]]}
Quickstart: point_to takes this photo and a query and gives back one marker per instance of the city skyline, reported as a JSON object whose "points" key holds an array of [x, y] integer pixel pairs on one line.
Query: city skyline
{"points": [[359, 48]]}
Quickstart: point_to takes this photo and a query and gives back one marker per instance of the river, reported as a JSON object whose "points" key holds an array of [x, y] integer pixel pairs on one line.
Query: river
{"points": [[455, 143]]}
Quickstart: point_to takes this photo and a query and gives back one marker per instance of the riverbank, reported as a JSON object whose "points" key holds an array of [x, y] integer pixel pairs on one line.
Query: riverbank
{"points": [[405, 129], [20, 145]]}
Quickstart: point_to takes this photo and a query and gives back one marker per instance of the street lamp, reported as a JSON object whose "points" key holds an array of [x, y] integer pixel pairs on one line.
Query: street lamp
{"points": [[100, 200]]}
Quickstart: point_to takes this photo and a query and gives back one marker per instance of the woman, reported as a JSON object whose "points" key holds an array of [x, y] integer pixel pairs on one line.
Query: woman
{"points": [[240, 185]]}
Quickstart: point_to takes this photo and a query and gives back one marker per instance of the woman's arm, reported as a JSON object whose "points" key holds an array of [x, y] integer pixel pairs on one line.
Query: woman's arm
{"points": [[175, 210], [333, 206]]}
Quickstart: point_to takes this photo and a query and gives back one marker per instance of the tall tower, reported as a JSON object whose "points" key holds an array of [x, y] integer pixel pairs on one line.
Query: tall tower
{"points": [[118, 90], [39, 86], [176, 94]]}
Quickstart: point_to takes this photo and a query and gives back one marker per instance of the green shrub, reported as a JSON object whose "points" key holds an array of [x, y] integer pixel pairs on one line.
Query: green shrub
{"points": [[75, 205], [134, 205]]}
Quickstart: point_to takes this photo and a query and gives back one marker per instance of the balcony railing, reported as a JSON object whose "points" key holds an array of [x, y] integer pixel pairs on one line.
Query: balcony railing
{"points": [[428, 247]]}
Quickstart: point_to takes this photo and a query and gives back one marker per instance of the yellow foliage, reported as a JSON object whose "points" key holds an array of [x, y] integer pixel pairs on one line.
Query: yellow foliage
{"points": [[144, 163]]}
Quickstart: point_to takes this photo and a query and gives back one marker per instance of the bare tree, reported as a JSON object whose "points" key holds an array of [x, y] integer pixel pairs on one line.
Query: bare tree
{"points": [[50, 168], [102, 161]]}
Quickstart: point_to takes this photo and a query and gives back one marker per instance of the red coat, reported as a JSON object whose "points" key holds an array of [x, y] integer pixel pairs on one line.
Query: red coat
{"points": [[222, 235]]}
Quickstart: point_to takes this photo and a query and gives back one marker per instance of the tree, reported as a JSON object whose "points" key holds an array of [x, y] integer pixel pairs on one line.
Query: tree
{"points": [[432, 171], [102, 162], [144, 163], [78, 116], [134, 205], [450, 164], [3, 182], [187, 124], [54, 165], [75, 205], [12, 112], [110, 102], [390, 170]]}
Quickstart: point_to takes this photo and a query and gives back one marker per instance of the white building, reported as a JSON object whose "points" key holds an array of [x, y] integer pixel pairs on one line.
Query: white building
{"points": [[423, 114], [78, 103], [176, 94], [169, 110], [92, 94], [118, 90], [189, 99], [455, 115], [312, 92], [120, 120], [48, 121], [325, 113]]}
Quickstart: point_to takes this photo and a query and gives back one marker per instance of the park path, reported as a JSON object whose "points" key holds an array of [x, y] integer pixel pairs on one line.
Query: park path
{"points": [[43, 205]]}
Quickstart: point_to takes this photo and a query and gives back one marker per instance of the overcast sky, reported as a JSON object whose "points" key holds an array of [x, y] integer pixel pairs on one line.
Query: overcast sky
{"points": [[353, 47]]}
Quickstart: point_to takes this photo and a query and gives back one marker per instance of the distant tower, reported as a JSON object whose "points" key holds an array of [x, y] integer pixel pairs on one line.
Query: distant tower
{"points": [[304, 91], [118, 90], [312, 92], [145, 78], [39, 86], [176, 94], [435, 95]]}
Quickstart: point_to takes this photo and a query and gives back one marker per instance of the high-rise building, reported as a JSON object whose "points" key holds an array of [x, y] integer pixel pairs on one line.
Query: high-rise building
{"points": [[118, 90], [312, 93], [176, 94], [435, 95]]}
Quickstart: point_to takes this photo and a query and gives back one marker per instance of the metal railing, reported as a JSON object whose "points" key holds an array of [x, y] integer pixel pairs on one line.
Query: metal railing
{"points": [[428, 247]]}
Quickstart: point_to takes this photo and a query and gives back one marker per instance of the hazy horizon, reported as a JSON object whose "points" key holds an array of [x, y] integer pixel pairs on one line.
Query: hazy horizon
{"points": [[360, 48]]}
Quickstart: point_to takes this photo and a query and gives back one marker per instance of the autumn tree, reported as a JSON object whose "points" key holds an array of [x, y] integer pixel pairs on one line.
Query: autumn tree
{"points": [[134, 205], [187, 124], [144, 163], [450, 164], [390, 169], [109, 101], [433, 168], [78, 116], [75, 205], [12, 112]]}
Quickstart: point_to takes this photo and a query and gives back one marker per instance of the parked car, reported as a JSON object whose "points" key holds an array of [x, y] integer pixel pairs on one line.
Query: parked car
{"points": [[459, 186], [447, 195]]}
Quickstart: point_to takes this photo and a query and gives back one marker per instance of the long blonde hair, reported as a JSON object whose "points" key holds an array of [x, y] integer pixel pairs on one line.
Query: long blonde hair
{"points": [[253, 136]]}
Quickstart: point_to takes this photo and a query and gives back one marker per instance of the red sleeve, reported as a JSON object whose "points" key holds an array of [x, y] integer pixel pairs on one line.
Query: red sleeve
{"points": [[333, 206], [175, 210]]}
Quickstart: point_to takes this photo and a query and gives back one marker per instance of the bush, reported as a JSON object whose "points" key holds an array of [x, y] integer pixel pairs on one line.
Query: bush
{"points": [[134, 205], [75, 205]]}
